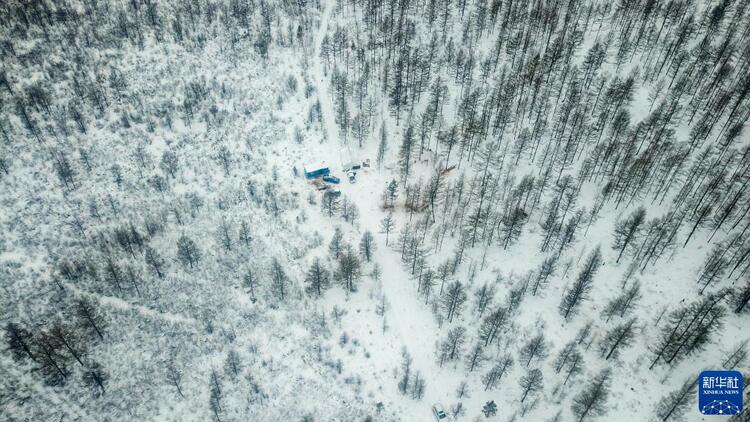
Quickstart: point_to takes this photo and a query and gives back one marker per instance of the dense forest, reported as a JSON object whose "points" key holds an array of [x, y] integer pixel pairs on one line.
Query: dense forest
{"points": [[552, 221]]}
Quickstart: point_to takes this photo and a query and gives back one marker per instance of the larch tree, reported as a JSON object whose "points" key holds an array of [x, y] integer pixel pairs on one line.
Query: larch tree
{"points": [[337, 243], [582, 286], [476, 357], [592, 400], [349, 268], [90, 316], [534, 350], [627, 230], [624, 303], [496, 373], [674, 405], [317, 278], [279, 279], [250, 282], [531, 382], [451, 347], [18, 340], [405, 153], [386, 226], [187, 251], [367, 245], [617, 338], [453, 300]]}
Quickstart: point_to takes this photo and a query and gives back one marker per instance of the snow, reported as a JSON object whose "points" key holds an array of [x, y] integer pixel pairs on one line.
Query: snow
{"points": [[334, 358]]}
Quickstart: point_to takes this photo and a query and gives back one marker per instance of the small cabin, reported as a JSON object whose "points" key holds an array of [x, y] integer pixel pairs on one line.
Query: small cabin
{"points": [[314, 170]]}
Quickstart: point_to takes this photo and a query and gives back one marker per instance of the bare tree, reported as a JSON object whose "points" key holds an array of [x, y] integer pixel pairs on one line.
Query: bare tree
{"points": [[673, 406], [174, 376], [215, 396], [483, 296], [387, 225], [337, 243], [737, 356], [626, 231], [279, 279], [95, 377], [452, 347], [154, 261], [531, 382], [250, 281], [741, 298], [405, 381], [187, 251], [581, 287], [592, 400], [233, 365], [19, 341], [169, 163], [453, 300], [496, 373], [622, 304], [476, 357], [494, 324], [546, 270], [617, 338], [367, 245], [330, 205], [90, 316], [349, 268], [52, 363], [66, 337], [318, 277], [534, 349]]}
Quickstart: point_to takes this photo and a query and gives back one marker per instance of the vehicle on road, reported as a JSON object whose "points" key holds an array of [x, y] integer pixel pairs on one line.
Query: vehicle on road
{"points": [[352, 177], [331, 179], [352, 166], [439, 413]]}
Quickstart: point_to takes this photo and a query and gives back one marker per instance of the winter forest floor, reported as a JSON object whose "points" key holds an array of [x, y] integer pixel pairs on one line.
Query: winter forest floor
{"points": [[556, 223]]}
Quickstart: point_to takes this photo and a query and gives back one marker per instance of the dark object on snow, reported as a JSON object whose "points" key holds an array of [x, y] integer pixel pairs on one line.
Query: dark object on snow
{"points": [[319, 184], [331, 179], [489, 409]]}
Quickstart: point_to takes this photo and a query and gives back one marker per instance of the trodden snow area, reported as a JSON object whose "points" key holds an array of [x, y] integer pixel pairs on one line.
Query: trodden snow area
{"points": [[373, 210]]}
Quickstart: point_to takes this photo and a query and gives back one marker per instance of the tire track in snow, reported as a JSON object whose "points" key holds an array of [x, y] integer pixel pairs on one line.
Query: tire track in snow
{"points": [[319, 77]]}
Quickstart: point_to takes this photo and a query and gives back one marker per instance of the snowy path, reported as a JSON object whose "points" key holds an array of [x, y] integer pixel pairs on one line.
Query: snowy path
{"points": [[123, 305], [411, 323], [319, 76]]}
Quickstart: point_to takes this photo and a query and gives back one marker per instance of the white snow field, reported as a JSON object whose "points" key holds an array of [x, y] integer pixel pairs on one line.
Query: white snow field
{"points": [[550, 222]]}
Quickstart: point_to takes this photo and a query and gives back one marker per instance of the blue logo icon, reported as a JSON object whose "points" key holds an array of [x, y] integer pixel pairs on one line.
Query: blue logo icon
{"points": [[720, 392]]}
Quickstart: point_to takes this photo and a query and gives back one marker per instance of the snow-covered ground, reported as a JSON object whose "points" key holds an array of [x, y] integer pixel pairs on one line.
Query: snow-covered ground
{"points": [[151, 170]]}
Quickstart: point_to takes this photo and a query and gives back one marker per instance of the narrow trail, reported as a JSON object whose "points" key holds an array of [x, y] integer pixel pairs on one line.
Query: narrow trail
{"points": [[123, 305], [319, 77], [411, 322]]}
